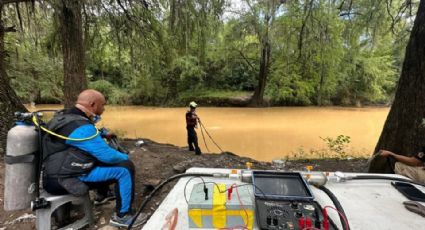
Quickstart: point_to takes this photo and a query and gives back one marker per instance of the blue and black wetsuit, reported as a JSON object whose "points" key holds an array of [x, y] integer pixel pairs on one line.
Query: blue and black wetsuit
{"points": [[91, 161]]}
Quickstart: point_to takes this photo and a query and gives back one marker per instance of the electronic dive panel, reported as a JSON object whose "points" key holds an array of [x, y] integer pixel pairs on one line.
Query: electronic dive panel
{"points": [[283, 200]]}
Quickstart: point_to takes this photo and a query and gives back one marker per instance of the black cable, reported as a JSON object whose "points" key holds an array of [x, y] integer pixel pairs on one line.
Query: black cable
{"points": [[202, 126], [184, 190], [203, 137], [366, 177], [38, 158], [337, 204], [147, 199]]}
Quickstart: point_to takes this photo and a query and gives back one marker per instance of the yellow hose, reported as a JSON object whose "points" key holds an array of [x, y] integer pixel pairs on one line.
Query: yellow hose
{"points": [[34, 120]]}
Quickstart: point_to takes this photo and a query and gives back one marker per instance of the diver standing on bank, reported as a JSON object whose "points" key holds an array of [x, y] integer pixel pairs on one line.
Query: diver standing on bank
{"points": [[192, 123]]}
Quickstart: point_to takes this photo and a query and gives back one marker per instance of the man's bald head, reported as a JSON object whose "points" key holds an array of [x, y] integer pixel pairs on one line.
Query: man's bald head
{"points": [[91, 100], [89, 95]]}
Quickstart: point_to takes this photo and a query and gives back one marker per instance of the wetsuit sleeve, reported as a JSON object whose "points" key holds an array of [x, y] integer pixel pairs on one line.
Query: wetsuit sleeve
{"points": [[96, 147]]}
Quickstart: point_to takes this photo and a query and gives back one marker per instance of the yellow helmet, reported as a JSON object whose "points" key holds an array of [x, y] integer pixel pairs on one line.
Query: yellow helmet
{"points": [[193, 104]]}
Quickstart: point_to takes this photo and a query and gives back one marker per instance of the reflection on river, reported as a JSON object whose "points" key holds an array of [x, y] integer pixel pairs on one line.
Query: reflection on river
{"points": [[263, 133]]}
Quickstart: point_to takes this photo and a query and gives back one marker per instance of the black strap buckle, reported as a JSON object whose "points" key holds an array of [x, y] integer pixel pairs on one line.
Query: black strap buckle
{"points": [[27, 158]]}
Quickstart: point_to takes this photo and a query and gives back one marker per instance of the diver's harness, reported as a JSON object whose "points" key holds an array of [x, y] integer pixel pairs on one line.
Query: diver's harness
{"points": [[61, 160], [51, 152]]}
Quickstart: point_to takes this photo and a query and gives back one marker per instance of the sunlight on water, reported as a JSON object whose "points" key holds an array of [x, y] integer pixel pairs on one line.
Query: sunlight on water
{"points": [[263, 134]]}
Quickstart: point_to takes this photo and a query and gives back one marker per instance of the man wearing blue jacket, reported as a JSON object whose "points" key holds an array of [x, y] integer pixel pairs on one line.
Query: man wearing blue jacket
{"points": [[76, 158]]}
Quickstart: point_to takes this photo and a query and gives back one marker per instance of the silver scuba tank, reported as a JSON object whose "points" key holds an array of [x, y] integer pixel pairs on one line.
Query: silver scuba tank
{"points": [[22, 145]]}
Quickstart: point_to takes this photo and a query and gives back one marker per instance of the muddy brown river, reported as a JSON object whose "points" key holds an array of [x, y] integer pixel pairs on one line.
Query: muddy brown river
{"points": [[260, 133]]}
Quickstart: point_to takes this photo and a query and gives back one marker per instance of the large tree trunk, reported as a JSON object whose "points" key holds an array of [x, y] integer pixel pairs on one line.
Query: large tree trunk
{"points": [[73, 50], [404, 129], [9, 101], [264, 36]]}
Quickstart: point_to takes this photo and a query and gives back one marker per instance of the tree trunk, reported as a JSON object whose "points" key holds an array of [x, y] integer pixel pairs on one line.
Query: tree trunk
{"points": [[173, 17], [404, 130], [264, 37], [202, 23], [9, 101], [307, 11], [322, 74], [73, 50], [257, 98]]}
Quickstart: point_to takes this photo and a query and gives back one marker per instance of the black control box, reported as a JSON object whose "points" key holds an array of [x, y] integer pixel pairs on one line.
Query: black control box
{"points": [[283, 200]]}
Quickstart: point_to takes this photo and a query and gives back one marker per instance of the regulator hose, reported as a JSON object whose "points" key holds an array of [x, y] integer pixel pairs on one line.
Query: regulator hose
{"points": [[61, 136], [338, 205], [157, 188]]}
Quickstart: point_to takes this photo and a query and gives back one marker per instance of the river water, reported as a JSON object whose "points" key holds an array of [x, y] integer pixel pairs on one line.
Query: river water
{"points": [[260, 133]]}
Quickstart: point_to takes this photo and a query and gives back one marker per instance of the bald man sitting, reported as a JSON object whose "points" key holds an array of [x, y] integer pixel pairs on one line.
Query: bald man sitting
{"points": [[78, 159]]}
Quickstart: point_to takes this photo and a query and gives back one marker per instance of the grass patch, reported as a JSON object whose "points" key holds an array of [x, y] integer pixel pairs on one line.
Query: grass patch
{"points": [[324, 154]]}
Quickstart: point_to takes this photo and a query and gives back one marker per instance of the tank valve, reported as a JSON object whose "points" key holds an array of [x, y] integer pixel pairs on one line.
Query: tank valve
{"points": [[39, 203]]}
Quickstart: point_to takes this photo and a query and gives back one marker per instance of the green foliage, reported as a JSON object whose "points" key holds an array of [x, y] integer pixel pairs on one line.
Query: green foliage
{"points": [[322, 52], [187, 70], [338, 145], [290, 89], [35, 77], [113, 94], [146, 91], [103, 86], [337, 148]]}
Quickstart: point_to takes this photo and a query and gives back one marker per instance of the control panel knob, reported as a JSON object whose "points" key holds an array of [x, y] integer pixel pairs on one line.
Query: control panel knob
{"points": [[294, 205], [298, 214], [269, 220], [275, 222]]}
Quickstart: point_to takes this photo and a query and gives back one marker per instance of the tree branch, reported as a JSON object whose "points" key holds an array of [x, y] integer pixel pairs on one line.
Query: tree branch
{"points": [[400, 12], [18, 12], [246, 59], [349, 14], [301, 36], [6, 29], [125, 10]]}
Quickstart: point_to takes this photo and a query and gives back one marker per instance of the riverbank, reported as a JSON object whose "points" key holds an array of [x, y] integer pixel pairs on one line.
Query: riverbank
{"points": [[155, 162], [217, 98]]}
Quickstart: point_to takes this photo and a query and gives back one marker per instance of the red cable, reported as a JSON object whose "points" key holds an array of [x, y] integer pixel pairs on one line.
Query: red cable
{"points": [[340, 214], [242, 206]]}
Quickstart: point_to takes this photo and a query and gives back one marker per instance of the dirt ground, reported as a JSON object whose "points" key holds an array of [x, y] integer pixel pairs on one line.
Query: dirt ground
{"points": [[156, 162]]}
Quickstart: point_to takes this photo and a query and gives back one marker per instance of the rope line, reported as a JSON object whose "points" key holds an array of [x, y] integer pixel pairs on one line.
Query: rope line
{"points": [[202, 126], [203, 137]]}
